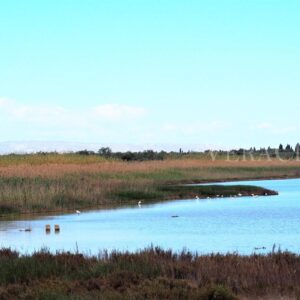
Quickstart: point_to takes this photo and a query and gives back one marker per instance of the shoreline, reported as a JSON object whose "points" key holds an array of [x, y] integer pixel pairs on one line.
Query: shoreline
{"points": [[33, 215]]}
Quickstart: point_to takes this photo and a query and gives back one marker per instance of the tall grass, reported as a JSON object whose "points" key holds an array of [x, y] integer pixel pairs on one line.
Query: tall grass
{"points": [[149, 274]]}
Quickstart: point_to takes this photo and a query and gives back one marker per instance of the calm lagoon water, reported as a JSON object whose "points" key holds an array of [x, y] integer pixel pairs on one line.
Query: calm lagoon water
{"points": [[214, 225]]}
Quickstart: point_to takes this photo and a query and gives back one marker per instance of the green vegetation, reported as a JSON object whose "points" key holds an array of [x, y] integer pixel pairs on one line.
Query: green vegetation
{"points": [[149, 274], [132, 156], [185, 192]]}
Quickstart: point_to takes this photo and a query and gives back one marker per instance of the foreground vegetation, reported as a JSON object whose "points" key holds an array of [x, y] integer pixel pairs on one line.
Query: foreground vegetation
{"points": [[61, 182], [149, 274]]}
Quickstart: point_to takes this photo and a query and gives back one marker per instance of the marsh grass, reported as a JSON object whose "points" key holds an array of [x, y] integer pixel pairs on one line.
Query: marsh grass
{"points": [[152, 273], [42, 183]]}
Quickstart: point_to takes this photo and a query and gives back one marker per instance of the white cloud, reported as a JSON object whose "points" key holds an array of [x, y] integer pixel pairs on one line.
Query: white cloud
{"points": [[105, 122], [118, 111], [195, 127], [4, 102], [52, 114]]}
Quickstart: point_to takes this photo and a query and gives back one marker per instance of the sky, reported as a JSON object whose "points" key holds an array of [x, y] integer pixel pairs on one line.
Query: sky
{"points": [[194, 73]]}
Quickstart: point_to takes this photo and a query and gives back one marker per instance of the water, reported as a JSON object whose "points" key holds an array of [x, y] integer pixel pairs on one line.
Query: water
{"points": [[214, 225]]}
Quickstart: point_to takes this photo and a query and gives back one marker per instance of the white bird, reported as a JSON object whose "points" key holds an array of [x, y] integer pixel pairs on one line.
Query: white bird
{"points": [[240, 195], [197, 197], [78, 212], [140, 203], [252, 195]]}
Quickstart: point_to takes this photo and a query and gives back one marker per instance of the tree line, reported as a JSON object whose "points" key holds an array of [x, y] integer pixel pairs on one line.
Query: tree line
{"points": [[128, 155], [284, 151]]}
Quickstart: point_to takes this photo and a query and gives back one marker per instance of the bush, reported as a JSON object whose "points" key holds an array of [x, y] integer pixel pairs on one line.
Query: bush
{"points": [[217, 292]]}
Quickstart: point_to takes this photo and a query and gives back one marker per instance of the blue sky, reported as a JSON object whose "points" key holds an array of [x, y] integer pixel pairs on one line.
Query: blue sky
{"points": [[221, 73]]}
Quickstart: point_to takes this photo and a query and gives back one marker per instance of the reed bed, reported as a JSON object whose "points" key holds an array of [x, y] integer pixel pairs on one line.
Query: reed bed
{"points": [[149, 274], [50, 185], [56, 168]]}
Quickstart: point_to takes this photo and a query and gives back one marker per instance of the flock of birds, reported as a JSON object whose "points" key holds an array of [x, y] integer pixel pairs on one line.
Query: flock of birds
{"points": [[234, 196], [196, 197]]}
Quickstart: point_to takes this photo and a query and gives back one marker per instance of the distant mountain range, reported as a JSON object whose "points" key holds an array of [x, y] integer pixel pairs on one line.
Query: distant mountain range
{"points": [[43, 146], [19, 147]]}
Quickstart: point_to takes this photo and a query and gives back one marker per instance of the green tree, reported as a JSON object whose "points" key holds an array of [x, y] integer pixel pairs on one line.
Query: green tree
{"points": [[105, 151], [288, 148]]}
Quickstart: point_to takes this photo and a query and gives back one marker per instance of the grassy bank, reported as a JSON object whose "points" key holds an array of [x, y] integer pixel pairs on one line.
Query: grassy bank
{"points": [[187, 192], [42, 183], [149, 274]]}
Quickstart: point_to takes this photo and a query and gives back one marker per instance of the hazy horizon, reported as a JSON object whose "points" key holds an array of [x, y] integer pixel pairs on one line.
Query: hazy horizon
{"points": [[28, 147]]}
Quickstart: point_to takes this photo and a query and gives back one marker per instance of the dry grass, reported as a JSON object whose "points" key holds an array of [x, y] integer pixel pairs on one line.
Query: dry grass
{"points": [[58, 169]]}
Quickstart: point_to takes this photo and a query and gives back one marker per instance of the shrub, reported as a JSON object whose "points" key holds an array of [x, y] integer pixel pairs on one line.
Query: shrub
{"points": [[217, 292]]}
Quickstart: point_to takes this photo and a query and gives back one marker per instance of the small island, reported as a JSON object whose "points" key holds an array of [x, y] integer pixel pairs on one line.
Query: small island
{"points": [[172, 192]]}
